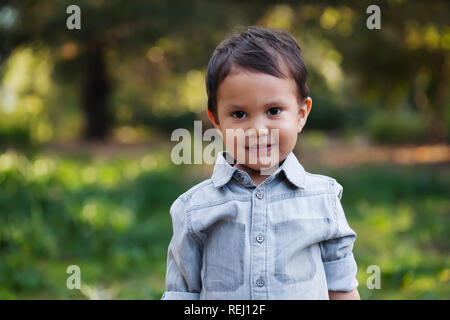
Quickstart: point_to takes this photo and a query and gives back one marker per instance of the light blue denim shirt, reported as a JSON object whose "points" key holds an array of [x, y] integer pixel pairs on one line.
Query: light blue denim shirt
{"points": [[286, 238]]}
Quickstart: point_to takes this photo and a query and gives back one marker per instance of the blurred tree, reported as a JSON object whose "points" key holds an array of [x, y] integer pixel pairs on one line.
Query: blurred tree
{"points": [[404, 65], [96, 91], [407, 62], [125, 27], [161, 46]]}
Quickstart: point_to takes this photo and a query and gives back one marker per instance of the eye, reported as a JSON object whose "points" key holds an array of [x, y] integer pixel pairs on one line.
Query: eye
{"points": [[274, 111], [238, 114]]}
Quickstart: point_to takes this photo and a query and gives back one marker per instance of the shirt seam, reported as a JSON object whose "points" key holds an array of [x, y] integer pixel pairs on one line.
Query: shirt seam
{"points": [[297, 194], [197, 188], [217, 203], [190, 229], [334, 206]]}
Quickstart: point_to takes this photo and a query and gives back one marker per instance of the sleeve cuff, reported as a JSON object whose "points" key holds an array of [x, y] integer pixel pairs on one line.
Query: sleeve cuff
{"points": [[179, 295], [341, 274]]}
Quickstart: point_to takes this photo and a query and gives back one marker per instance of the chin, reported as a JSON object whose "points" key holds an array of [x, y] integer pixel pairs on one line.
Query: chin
{"points": [[257, 161], [262, 163]]}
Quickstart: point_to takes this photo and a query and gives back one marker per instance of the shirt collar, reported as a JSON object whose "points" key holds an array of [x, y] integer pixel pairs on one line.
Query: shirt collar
{"points": [[294, 171], [224, 170]]}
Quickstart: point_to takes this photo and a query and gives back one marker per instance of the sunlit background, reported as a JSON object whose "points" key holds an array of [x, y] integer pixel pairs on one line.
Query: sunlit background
{"points": [[86, 117]]}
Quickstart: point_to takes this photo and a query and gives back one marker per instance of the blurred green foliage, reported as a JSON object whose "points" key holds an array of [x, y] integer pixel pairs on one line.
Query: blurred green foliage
{"points": [[111, 218], [398, 127], [108, 217], [401, 216]]}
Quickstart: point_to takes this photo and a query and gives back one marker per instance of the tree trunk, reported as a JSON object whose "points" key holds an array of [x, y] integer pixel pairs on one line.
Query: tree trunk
{"points": [[440, 101], [95, 93]]}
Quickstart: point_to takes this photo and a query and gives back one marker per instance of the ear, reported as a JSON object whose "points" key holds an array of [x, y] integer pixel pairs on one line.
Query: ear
{"points": [[303, 113], [212, 119]]}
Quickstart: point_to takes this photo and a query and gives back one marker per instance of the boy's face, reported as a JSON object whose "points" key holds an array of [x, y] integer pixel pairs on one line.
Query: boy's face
{"points": [[259, 104]]}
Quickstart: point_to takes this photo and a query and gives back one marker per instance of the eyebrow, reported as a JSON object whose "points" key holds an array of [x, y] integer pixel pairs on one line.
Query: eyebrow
{"points": [[266, 105]]}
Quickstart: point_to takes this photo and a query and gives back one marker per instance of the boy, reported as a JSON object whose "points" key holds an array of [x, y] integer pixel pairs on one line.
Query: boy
{"points": [[250, 232]]}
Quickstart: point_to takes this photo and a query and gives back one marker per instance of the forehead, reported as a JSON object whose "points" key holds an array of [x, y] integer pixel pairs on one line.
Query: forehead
{"points": [[245, 87]]}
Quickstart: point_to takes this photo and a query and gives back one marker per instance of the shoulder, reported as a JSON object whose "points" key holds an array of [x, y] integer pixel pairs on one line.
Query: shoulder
{"points": [[322, 182], [201, 192]]}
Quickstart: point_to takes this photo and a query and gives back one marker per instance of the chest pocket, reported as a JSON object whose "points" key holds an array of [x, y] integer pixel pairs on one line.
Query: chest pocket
{"points": [[224, 256], [295, 241]]}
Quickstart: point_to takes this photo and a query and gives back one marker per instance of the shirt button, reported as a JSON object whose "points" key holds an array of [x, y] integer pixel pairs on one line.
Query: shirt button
{"points": [[259, 194], [260, 238], [260, 282]]}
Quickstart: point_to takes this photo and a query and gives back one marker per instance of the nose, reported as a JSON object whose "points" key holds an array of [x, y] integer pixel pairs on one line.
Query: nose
{"points": [[258, 129], [260, 124]]}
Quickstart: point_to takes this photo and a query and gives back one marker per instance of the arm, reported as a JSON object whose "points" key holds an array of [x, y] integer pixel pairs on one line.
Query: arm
{"points": [[184, 258], [342, 295], [337, 256]]}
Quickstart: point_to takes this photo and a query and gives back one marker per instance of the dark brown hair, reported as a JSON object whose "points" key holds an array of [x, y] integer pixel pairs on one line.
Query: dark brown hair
{"points": [[256, 49]]}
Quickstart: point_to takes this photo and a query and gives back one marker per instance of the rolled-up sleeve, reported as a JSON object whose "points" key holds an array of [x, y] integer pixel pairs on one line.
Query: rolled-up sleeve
{"points": [[339, 263], [183, 280]]}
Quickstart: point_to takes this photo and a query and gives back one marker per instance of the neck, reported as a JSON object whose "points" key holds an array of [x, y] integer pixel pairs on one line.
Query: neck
{"points": [[255, 175]]}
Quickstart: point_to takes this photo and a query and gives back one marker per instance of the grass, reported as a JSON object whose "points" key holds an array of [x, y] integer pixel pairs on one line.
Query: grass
{"points": [[110, 217]]}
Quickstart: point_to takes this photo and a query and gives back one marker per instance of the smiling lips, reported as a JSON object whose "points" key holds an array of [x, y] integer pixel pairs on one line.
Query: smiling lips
{"points": [[261, 148]]}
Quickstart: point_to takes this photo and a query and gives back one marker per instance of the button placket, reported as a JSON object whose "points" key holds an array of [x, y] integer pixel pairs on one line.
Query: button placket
{"points": [[259, 249], [260, 238], [260, 282], [259, 194]]}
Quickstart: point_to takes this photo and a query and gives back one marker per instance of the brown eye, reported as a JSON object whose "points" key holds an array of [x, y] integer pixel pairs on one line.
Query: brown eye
{"points": [[238, 114], [274, 111]]}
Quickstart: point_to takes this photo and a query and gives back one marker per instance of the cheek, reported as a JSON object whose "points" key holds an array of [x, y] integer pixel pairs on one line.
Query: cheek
{"points": [[232, 141], [288, 129], [288, 136]]}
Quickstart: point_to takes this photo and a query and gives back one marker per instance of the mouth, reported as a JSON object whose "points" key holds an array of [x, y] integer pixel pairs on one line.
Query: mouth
{"points": [[260, 149]]}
